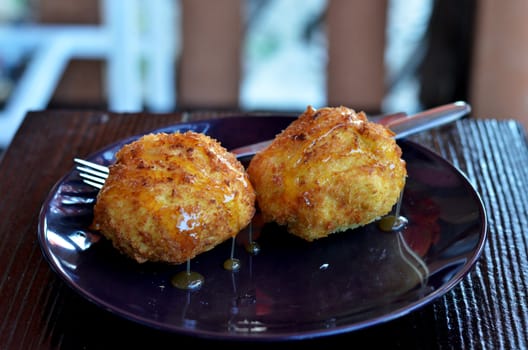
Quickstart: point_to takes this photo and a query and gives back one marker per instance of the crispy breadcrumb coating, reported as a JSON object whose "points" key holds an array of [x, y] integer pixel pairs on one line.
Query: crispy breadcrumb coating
{"points": [[330, 170], [170, 197]]}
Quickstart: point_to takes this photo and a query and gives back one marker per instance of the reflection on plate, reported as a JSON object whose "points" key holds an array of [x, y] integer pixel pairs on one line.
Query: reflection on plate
{"points": [[291, 289]]}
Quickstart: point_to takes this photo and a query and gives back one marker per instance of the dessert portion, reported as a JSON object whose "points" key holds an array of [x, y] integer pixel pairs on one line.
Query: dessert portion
{"points": [[170, 197], [329, 171]]}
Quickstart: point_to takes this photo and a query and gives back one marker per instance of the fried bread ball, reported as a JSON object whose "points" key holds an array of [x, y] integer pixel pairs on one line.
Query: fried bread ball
{"points": [[330, 170], [170, 197]]}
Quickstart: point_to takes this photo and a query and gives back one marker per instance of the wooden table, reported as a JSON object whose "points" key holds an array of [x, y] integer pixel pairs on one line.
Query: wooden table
{"points": [[487, 310]]}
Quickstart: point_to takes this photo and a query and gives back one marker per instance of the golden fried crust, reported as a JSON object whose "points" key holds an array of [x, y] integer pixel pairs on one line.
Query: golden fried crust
{"points": [[170, 197], [328, 171]]}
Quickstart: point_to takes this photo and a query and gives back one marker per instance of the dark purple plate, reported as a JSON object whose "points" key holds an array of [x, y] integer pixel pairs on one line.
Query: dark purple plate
{"points": [[291, 289]]}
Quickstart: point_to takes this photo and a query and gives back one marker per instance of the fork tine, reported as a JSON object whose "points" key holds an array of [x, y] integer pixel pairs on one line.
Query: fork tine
{"points": [[99, 167], [92, 183], [91, 171], [93, 178]]}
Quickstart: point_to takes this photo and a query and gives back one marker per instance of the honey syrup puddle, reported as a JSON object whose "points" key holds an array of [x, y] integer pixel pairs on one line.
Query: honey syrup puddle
{"points": [[393, 222], [187, 279], [232, 263]]}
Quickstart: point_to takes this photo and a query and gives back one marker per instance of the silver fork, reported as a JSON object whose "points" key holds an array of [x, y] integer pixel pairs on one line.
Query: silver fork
{"points": [[95, 174]]}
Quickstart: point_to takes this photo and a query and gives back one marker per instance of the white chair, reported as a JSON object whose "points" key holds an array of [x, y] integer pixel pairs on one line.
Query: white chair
{"points": [[132, 40]]}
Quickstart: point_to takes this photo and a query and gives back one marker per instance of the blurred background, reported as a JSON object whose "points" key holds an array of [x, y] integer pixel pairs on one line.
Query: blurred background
{"points": [[273, 55]]}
